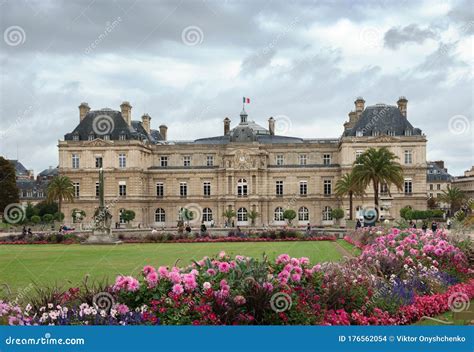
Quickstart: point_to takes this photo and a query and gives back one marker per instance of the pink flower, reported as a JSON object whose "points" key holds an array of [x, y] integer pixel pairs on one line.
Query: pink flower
{"points": [[304, 261], [163, 271], [152, 279], [175, 277], [189, 281], [221, 254], [211, 272], [296, 277], [177, 289], [148, 269], [268, 286], [239, 300], [317, 267], [283, 259], [224, 267], [206, 285], [122, 309]]}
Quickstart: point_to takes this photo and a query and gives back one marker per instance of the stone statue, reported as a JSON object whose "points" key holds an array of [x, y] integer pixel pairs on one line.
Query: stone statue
{"points": [[102, 232]]}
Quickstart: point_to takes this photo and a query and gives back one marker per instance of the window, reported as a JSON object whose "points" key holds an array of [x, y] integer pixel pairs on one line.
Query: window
{"points": [[408, 157], [207, 214], [303, 214], [391, 132], [122, 189], [77, 189], [279, 214], [186, 161], [302, 159], [91, 136], [375, 133], [210, 160], [408, 186], [327, 159], [160, 189], [408, 132], [242, 188], [303, 188], [207, 189], [98, 161], [106, 137], [359, 133], [242, 214], [383, 188], [438, 187], [160, 215], [431, 187], [279, 188], [431, 195], [279, 159], [97, 189], [327, 187], [75, 161], [438, 195], [358, 154], [164, 161], [122, 161], [122, 137], [75, 137], [183, 189], [327, 214]]}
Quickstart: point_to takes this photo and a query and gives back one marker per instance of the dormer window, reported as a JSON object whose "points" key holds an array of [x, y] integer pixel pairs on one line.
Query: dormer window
{"points": [[75, 137], [375, 133], [408, 132], [122, 136], [359, 133], [91, 136], [391, 133], [106, 137]]}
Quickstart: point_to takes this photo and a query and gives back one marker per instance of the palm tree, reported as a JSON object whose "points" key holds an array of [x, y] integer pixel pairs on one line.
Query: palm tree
{"points": [[60, 188], [347, 186], [228, 214], [376, 167], [454, 197], [252, 215]]}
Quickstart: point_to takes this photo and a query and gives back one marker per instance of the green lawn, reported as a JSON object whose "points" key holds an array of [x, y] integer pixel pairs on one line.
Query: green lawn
{"points": [[21, 265], [447, 317], [350, 248]]}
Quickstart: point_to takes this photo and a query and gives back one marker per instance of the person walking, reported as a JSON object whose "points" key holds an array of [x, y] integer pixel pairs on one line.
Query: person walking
{"points": [[358, 224]]}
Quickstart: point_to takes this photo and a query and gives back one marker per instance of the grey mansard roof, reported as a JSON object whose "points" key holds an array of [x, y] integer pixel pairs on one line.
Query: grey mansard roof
{"points": [[382, 119], [435, 173], [109, 117]]}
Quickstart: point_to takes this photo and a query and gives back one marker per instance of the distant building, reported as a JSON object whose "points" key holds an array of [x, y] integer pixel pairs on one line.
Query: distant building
{"points": [[246, 168], [466, 183], [437, 180]]}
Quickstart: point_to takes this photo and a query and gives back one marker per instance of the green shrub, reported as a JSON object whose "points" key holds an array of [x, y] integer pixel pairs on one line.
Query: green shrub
{"points": [[47, 218], [35, 219]]}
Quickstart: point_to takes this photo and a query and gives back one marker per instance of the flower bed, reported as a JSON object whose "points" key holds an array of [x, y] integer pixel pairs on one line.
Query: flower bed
{"points": [[398, 279]]}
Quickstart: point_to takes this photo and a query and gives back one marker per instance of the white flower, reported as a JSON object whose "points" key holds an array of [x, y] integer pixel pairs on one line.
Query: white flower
{"points": [[50, 305], [28, 307], [206, 285], [103, 313]]}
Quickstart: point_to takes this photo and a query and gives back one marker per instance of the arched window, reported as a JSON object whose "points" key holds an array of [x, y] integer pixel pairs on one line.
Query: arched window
{"points": [[279, 214], [242, 188], [303, 214], [242, 214], [327, 214], [160, 215], [207, 214]]}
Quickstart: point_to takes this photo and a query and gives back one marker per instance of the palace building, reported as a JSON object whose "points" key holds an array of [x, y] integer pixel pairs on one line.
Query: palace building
{"points": [[247, 168]]}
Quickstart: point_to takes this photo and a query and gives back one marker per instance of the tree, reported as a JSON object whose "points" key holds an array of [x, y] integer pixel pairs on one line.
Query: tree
{"points": [[45, 208], [59, 189], [405, 212], [377, 167], [47, 218], [289, 214], [29, 211], [337, 214], [9, 193], [454, 197], [228, 214], [253, 215], [347, 185], [128, 215], [35, 219]]}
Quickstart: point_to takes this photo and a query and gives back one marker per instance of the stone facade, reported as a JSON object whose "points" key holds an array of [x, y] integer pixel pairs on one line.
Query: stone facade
{"points": [[466, 183], [248, 168]]}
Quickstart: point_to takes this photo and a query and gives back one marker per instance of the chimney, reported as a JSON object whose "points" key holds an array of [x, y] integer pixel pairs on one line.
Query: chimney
{"points": [[352, 120], [164, 131], [226, 126], [83, 110], [271, 126], [146, 119], [402, 105], [439, 163], [126, 109], [359, 106]]}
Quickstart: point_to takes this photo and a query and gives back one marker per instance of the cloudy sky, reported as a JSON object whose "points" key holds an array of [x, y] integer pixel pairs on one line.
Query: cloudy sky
{"points": [[188, 64]]}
